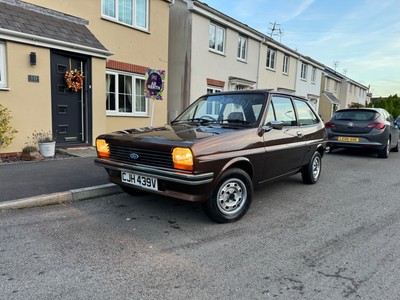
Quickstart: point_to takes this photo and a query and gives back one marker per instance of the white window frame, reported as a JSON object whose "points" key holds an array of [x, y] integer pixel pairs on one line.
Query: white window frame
{"points": [[286, 64], [242, 48], [115, 17], [3, 67], [327, 84], [271, 59], [335, 86], [134, 113], [303, 73], [216, 34], [313, 74], [213, 89]]}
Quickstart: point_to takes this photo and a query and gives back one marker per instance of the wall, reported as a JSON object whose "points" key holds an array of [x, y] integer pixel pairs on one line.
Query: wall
{"points": [[29, 103]]}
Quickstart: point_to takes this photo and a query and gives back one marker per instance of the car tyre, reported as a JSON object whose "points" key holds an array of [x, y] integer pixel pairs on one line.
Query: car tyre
{"points": [[231, 198], [132, 191], [312, 171], [396, 148], [384, 153]]}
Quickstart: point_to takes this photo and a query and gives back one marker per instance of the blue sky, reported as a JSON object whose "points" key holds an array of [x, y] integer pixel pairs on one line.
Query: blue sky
{"points": [[362, 36]]}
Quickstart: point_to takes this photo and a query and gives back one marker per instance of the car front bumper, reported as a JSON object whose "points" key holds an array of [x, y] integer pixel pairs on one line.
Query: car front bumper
{"points": [[172, 183]]}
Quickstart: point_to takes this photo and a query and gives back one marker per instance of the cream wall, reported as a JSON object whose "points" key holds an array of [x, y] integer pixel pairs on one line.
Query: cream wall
{"points": [[29, 103], [274, 79], [207, 64]]}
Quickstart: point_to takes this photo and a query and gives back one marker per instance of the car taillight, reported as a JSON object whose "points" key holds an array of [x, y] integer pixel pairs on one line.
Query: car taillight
{"points": [[330, 125], [378, 126]]}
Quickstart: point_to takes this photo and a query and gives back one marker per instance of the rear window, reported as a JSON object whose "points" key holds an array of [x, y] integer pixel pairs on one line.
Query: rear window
{"points": [[361, 115]]}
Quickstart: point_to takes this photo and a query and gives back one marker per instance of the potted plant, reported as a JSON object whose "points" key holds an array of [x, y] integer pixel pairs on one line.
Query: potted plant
{"points": [[46, 142], [30, 152]]}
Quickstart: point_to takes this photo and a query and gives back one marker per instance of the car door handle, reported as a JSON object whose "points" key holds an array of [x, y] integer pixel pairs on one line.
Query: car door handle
{"points": [[299, 134]]}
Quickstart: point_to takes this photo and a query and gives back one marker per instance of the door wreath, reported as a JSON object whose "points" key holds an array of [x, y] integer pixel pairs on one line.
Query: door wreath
{"points": [[74, 79]]}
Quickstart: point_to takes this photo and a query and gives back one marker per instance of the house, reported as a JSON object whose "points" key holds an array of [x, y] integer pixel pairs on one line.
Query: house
{"points": [[112, 42], [208, 52], [331, 85], [338, 92]]}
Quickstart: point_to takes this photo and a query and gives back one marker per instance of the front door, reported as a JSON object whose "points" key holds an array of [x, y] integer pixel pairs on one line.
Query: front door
{"points": [[71, 110]]}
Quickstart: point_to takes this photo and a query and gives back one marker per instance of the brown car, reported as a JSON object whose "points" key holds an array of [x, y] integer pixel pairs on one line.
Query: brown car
{"points": [[218, 149]]}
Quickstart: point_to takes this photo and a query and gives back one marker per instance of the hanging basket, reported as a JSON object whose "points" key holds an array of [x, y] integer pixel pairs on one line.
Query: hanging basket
{"points": [[74, 80]]}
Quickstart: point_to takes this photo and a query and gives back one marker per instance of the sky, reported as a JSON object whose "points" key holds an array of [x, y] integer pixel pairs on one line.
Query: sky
{"points": [[358, 38]]}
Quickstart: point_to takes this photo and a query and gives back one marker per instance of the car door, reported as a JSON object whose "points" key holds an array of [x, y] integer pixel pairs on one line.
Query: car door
{"points": [[284, 148]]}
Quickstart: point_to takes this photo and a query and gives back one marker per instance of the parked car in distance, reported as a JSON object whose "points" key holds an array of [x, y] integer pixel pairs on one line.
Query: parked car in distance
{"points": [[219, 149], [371, 128]]}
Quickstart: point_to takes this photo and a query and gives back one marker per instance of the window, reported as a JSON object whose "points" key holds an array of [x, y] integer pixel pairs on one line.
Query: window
{"points": [[313, 74], [216, 38], [305, 113], [350, 88], [327, 84], [281, 109], [3, 81], [335, 86], [285, 68], [125, 94], [242, 46], [303, 74], [130, 12], [213, 90], [271, 57]]}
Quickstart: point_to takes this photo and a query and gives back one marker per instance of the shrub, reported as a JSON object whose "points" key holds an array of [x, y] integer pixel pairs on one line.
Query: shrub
{"points": [[7, 133]]}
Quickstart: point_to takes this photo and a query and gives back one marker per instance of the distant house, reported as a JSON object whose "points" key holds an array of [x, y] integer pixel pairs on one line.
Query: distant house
{"points": [[40, 40], [338, 91]]}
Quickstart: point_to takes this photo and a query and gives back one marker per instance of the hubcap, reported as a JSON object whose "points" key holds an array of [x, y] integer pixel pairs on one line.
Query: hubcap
{"points": [[231, 196], [316, 167]]}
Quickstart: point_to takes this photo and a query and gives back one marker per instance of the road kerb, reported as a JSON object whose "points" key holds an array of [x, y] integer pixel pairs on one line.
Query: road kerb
{"points": [[62, 197]]}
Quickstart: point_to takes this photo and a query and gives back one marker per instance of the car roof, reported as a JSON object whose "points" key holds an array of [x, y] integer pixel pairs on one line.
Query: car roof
{"points": [[256, 91]]}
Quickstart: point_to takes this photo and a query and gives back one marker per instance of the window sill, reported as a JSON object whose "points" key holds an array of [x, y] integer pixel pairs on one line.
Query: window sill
{"points": [[144, 30], [270, 69], [216, 52], [4, 89], [241, 60], [110, 114]]}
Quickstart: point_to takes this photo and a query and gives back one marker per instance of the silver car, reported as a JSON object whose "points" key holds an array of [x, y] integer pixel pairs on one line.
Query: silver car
{"points": [[371, 128]]}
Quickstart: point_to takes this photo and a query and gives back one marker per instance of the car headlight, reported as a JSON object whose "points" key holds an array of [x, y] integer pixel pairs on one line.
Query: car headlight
{"points": [[103, 150], [182, 158]]}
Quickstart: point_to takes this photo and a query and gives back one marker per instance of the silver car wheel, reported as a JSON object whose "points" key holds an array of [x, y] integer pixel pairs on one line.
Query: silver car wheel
{"points": [[232, 196], [316, 167], [388, 147]]}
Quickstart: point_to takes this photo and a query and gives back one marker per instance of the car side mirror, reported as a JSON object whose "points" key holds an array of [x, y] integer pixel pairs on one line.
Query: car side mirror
{"points": [[271, 125]]}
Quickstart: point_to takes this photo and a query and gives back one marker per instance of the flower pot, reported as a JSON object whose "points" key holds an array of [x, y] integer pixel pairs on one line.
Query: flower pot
{"points": [[47, 149]]}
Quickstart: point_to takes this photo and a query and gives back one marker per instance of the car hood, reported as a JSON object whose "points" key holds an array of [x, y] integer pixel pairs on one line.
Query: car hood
{"points": [[168, 134]]}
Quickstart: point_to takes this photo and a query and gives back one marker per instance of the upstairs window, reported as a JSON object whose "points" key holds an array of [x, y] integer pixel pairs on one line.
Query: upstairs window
{"points": [[3, 81], [130, 12], [285, 68], [313, 74], [125, 94], [242, 47], [303, 74], [271, 58], [216, 38]]}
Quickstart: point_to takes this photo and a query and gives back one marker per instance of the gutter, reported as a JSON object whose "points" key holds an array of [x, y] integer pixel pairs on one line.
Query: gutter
{"points": [[51, 43]]}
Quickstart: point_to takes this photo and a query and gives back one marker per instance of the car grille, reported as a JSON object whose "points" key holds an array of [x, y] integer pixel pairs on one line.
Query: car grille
{"points": [[143, 156]]}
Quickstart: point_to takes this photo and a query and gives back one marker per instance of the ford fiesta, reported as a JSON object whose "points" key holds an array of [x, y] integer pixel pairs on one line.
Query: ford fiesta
{"points": [[219, 149]]}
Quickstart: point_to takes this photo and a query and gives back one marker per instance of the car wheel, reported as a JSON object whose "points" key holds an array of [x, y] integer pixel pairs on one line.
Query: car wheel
{"points": [[384, 153], [231, 197], [311, 172], [132, 191], [396, 148]]}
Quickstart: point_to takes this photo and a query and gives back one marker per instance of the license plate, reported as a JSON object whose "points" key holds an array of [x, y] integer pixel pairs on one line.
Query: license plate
{"points": [[348, 139], [146, 182]]}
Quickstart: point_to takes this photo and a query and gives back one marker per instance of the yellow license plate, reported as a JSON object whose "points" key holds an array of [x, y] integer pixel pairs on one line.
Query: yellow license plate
{"points": [[348, 139]]}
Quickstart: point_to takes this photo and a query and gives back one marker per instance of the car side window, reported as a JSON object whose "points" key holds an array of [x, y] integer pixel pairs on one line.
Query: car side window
{"points": [[305, 113], [281, 109]]}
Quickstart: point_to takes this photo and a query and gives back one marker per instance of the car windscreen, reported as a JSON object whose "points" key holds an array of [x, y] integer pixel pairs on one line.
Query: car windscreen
{"points": [[356, 115], [239, 109]]}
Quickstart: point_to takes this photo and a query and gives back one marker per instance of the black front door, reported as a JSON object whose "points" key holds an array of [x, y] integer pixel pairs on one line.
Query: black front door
{"points": [[71, 110]]}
